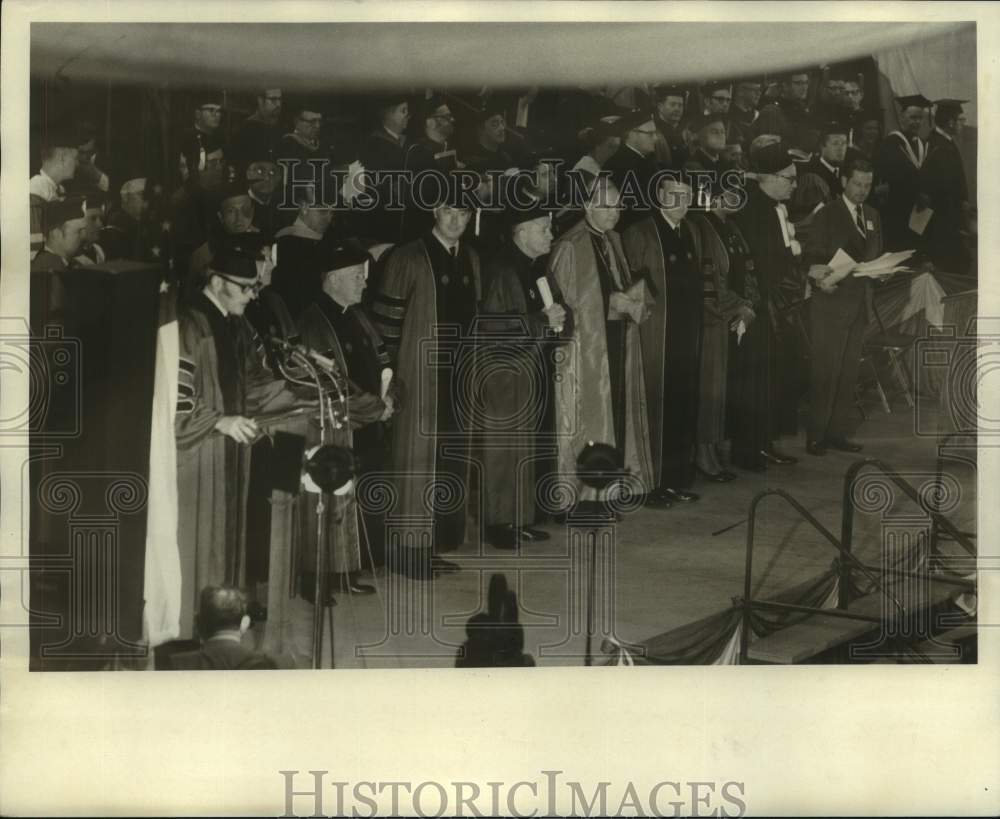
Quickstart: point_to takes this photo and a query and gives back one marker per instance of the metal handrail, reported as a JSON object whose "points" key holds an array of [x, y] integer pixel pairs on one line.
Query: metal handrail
{"points": [[749, 602]]}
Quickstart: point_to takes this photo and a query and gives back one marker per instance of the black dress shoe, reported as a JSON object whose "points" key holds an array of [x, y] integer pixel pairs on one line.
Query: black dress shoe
{"points": [[843, 445], [677, 495], [656, 500], [715, 477], [728, 476], [530, 533], [772, 456], [815, 448], [307, 590], [502, 537]]}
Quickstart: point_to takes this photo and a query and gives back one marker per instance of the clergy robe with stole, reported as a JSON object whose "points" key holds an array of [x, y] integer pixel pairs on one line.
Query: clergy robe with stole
{"points": [[424, 310], [318, 327], [221, 373], [669, 260], [600, 390], [838, 319], [517, 374]]}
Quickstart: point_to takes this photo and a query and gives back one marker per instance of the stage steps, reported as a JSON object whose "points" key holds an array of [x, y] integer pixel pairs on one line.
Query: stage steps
{"points": [[818, 633]]}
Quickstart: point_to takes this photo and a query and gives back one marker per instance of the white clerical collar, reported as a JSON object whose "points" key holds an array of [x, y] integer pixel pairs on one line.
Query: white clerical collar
{"points": [[945, 135], [444, 242], [669, 221], [211, 297], [830, 167]]}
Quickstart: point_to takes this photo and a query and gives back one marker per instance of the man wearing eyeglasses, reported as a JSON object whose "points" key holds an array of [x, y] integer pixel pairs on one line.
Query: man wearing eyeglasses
{"points": [[302, 144], [789, 116], [433, 150], [222, 385], [205, 137], [819, 178], [634, 165], [258, 136]]}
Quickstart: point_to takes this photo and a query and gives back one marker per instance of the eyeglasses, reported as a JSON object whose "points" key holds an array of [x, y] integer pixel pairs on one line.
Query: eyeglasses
{"points": [[271, 99], [311, 120], [256, 287], [445, 117], [718, 98], [644, 131], [210, 109], [786, 177]]}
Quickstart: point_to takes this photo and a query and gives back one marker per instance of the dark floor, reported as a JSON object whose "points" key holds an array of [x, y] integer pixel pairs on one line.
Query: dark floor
{"points": [[665, 568]]}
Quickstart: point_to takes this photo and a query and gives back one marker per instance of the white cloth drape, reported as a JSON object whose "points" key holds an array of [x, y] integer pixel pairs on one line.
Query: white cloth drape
{"points": [[162, 581]]}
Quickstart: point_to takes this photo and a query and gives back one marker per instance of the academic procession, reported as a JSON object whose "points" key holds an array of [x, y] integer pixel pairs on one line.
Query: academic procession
{"points": [[512, 375]]}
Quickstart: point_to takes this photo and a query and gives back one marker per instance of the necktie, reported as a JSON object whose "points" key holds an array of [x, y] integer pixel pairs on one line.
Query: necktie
{"points": [[860, 221], [453, 251]]}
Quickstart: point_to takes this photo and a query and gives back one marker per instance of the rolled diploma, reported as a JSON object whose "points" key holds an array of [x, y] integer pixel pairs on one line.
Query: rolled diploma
{"points": [[546, 293]]}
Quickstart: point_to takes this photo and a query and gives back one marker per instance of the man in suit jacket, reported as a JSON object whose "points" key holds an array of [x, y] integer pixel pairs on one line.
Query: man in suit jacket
{"points": [[839, 307], [222, 622], [943, 180]]}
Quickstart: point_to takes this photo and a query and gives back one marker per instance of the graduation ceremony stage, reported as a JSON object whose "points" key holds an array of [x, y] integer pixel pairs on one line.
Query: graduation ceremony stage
{"points": [[665, 586]]}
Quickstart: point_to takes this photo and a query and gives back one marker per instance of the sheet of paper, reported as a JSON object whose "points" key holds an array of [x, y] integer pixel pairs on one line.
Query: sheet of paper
{"points": [[884, 265], [919, 219], [841, 263]]}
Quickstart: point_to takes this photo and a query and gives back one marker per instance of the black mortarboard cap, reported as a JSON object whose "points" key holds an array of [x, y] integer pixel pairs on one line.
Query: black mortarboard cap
{"points": [[230, 191], [664, 90], [772, 158], [833, 127], [909, 100], [57, 212], [517, 216], [633, 119], [234, 263], [242, 244], [339, 257], [945, 108], [206, 96], [490, 108], [712, 86]]}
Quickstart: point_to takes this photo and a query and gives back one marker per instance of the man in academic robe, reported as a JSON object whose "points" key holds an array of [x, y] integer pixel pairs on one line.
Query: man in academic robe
{"points": [[335, 327], [789, 116], [898, 162], [743, 113], [765, 226], [671, 148], [130, 232], [222, 385], [517, 429], [838, 308], [945, 185], [424, 309], [263, 179], [819, 178], [204, 136], [707, 156], [257, 138], [664, 250], [490, 155], [383, 154], [299, 246], [633, 167], [600, 390], [432, 150]]}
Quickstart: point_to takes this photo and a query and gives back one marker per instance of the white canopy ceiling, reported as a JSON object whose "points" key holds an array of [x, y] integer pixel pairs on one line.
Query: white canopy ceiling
{"points": [[316, 56]]}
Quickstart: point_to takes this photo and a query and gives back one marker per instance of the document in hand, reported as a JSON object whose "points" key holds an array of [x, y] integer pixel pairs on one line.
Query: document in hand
{"points": [[884, 265], [919, 219], [841, 263]]}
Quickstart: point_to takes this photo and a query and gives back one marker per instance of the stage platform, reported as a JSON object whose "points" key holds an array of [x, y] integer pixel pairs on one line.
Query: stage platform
{"points": [[667, 568]]}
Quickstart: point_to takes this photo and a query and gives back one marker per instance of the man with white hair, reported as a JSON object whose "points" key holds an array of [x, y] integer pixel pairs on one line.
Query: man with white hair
{"points": [[128, 234]]}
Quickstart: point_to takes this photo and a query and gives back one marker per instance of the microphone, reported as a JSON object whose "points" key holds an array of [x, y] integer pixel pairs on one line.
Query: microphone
{"points": [[546, 293]]}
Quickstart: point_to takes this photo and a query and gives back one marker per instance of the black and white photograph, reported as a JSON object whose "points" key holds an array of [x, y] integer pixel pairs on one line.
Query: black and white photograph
{"points": [[516, 349]]}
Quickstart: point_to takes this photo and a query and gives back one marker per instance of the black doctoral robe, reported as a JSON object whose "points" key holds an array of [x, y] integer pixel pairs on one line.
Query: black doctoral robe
{"points": [[518, 391], [943, 180], [633, 174], [898, 163]]}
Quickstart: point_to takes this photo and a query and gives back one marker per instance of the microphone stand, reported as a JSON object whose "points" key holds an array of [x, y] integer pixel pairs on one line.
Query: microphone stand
{"points": [[301, 357]]}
